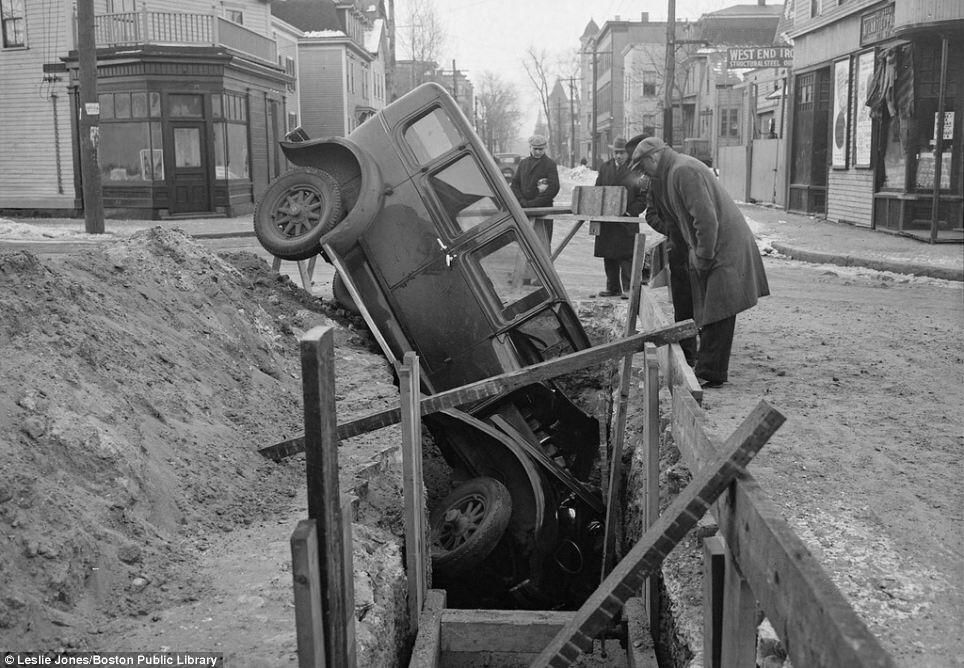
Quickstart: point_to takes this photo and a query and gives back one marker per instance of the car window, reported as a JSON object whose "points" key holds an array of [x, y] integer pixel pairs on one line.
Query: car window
{"points": [[510, 273], [465, 195], [432, 135]]}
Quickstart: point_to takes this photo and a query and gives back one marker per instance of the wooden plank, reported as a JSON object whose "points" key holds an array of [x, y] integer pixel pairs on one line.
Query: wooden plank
{"points": [[500, 630], [569, 235], [416, 544], [813, 619], [645, 557], [672, 360], [276, 263], [428, 643], [307, 585], [497, 384], [713, 574], [574, 217], [324, 500], [619, 419], [651, 443], [306, 268], [640, 649], [738, 633]]}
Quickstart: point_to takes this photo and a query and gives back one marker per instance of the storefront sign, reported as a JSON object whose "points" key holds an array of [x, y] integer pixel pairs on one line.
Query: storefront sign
{"points": [[752, 57], [863, 123], [877, 25], [841, 107]]}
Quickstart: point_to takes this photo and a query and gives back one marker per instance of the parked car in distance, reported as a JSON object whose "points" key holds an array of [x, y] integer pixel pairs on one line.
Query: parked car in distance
{"points": [[508, 163], [438, 256]]}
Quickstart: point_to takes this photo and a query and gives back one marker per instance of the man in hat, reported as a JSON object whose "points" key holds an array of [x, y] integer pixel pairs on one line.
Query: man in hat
{"points": [[616, 241], [536, 181], [726, 271]]}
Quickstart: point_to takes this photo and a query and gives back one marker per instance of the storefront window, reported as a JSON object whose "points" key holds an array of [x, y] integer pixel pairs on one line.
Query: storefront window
{"points": [[230, 136], [185, 106], [131, 151]]}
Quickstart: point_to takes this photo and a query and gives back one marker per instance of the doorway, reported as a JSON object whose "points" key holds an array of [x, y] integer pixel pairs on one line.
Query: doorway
{"points": [[190, 191]]}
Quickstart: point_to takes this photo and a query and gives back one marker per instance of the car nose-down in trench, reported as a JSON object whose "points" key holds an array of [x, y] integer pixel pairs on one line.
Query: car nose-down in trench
{"points": [[432, 249]]}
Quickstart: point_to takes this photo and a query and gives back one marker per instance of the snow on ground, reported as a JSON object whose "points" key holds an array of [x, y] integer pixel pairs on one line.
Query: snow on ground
{"points": [[10, 229]]}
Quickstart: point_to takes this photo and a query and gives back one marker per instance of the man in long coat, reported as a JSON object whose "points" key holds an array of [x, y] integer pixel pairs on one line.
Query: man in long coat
{"points": [[726, 271], [536, 179], [615, 241]]}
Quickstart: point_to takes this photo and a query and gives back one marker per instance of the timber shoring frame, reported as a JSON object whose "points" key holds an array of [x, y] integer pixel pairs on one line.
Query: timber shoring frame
{"points": [[815, 623]]}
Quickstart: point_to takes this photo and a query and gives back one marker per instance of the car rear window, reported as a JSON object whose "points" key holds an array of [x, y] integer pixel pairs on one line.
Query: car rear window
{"points": [[432, 135], [465, 195]]}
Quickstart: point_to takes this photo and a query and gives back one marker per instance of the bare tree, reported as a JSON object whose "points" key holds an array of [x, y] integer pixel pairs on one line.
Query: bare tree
{"points": [[538, 69], [498, 112], [421, 38]]}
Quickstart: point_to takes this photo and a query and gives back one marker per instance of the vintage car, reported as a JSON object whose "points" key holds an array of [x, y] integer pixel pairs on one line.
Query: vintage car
{"points": [[508, 163], [434, 251]]}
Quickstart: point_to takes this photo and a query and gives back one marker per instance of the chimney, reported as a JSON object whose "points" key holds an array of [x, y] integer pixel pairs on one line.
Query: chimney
{"points": [[645, 17], [618, 19]]}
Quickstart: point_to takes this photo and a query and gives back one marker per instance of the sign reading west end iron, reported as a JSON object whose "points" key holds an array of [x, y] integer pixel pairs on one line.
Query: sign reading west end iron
{"points": [[759, 56]]}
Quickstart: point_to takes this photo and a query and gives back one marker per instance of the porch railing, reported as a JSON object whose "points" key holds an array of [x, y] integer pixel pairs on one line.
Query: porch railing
{"points": [[148, 27]]}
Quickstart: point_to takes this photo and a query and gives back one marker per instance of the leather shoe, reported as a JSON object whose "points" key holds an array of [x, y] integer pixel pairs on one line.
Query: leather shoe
{"points": [[709, 384], [607, 293]]}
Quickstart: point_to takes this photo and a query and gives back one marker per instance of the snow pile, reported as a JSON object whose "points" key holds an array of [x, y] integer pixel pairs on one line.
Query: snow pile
{"points": [[10, 229]]}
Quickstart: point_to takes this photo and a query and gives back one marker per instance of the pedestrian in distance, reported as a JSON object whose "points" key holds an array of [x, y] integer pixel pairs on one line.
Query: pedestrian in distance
{"points": [[616, 241], [725, 268], [536, 181]]}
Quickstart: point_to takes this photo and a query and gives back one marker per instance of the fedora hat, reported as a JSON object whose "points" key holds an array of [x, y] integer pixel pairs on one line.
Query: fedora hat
{"points": [[619, 144]]}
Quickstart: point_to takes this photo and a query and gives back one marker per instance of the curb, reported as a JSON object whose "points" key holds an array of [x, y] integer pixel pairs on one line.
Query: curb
{"points": [[945, 273]]}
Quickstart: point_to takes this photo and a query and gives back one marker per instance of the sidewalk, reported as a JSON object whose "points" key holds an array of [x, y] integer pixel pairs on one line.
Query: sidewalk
{"points": [[798, 237]]}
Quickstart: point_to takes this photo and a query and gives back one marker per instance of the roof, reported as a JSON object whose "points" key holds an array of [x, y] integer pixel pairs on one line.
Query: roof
{"points": [[591, 29], [741, 24], [748, 10], [307, 15]]}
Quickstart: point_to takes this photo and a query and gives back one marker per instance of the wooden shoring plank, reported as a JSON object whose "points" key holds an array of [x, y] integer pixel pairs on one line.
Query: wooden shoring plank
{"points": [[713, 574], [500, 630], [640, 649], [566, 239], [738, 633], [416, 547], [324, 501], [309, 622], [645, 557], [651, 444], [619, 419], [428, 642], [306, 268], [276, 263], [497, 384], [815, 622], [672, 360]]}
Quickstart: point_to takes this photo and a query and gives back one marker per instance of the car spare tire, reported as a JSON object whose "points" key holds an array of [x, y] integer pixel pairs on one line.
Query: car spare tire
{"points": [[468, 524], [296, 211]]}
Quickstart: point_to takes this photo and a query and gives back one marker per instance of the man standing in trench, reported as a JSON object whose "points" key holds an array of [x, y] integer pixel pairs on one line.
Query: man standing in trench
{"points": [[726, 271]]}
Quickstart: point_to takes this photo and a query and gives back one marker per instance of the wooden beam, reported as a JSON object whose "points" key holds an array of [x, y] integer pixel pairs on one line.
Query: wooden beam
{"points": [[428, 643], [619, 419], [640, 648], [713, 574], [569, 235], [498, 384], [651, 444], [309, 623], [672, 360], [738, 632], [813, 619], [525, 631], [645, 557], [416, 547], [324, 500]]}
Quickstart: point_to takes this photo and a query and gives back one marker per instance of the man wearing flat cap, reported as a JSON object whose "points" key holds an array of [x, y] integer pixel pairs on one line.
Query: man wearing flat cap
{"points": [[536, 181], [725, 268], [616, 241]]}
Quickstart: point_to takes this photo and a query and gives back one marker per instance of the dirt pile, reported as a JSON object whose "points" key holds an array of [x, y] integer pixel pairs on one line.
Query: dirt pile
{"points": [[139, 379]]}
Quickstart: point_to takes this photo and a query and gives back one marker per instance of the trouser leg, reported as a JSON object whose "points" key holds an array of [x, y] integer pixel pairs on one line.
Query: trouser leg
{"points": [[716, 341], [626, 274], [612, 275]]}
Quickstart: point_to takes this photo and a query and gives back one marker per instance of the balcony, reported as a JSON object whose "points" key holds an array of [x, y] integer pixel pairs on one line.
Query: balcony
{"points": [[181, 29]]}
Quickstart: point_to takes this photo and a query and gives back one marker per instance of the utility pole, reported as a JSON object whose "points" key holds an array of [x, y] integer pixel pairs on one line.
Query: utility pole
{"points": [[670, 77], [455, 82], [592, 139], [89, 119], [572, 121]]}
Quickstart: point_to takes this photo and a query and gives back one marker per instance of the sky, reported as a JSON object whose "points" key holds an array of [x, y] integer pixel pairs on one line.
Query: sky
{"points": [[493, 35]]}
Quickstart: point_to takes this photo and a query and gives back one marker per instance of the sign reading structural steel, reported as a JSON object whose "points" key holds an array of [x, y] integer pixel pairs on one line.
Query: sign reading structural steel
{"points": [[759, 56]]}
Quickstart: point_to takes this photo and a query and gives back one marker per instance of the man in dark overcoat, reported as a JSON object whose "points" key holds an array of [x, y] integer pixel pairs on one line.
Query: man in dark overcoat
{"points": [[726, 271], [616, 241], [536, 181]]}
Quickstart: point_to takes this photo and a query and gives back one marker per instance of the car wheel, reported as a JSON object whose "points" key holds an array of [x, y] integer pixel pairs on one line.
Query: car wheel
{"points": [[296, 211], [340, 292], [468, 525]]}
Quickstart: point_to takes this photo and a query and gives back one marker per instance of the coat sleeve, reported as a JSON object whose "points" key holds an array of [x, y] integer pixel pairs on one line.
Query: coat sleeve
{"points": [[694, 193], [637, 199], [653, 216]]}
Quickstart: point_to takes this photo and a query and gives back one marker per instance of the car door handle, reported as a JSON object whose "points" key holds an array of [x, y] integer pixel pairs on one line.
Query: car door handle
{"points": [[449, 258]]}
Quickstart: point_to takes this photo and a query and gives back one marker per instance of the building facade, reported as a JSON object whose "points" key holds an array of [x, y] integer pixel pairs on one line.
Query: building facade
{"points": [[878, 98], [190, 105]]}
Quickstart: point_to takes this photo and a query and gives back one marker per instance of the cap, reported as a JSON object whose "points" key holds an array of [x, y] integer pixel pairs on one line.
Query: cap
{"points": [[645, 147], [537, 141], [619, 144]]}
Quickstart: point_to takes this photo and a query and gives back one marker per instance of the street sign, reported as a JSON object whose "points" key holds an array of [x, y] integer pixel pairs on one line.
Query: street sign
{"points": [[752, 57]]}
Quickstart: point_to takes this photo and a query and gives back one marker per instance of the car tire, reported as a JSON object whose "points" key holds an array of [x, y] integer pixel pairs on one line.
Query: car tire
{"points": [[297, 209], [468, 525], [339, 291]]}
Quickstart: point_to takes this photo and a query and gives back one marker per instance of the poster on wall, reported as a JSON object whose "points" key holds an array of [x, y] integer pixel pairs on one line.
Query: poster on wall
{"points": [[863, 123], [841, 99]]}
